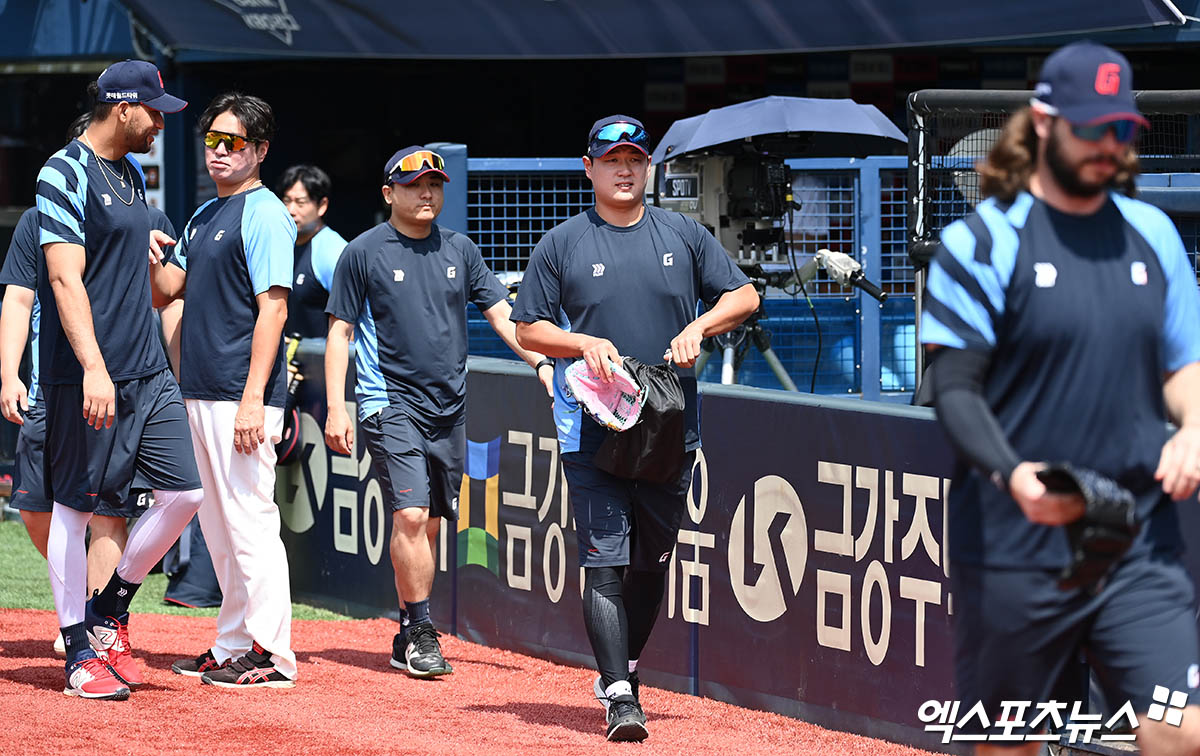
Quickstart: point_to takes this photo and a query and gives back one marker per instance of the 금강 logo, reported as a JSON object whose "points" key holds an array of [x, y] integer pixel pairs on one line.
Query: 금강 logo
{"points": [[1044, 275], [398, 275], [1138, 273], [597, 270], [1108, 79]]}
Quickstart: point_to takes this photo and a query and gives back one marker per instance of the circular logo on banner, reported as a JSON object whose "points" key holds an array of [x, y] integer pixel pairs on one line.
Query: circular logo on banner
{"points": [[762, 598], [300, 488]]}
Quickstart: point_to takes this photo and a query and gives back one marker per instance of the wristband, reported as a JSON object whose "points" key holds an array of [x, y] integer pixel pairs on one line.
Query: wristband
{"points": [[545, 361]]}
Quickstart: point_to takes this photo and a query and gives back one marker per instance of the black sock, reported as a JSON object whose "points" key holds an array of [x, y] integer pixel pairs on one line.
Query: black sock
{"points": [[76, 641], [643, 593], [418, 612], [607, 626], [114, 600]]}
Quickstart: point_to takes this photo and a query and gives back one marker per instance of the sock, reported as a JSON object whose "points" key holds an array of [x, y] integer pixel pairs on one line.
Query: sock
{"points": [[632, 666], [606, 623], [157, 529], [418, 611], [619, 688], [643, 593], [76, 641], [404, 620], [114, 600]]}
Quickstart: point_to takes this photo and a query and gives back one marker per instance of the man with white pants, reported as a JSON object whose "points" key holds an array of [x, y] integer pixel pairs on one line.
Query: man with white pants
{"points": [[237, 254]]}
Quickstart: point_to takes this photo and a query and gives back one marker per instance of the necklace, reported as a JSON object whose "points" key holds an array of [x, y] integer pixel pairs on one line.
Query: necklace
{"points": [[106, 169]]}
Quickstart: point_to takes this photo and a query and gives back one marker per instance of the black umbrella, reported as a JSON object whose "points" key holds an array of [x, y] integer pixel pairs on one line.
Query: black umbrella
{"points": [[784, 127]]}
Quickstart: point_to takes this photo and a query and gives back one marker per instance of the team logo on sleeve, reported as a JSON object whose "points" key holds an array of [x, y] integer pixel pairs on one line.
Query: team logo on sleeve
{"points": [[451, 272], [1044, 275], [1138, 273], [597, 270], [398, 275]]}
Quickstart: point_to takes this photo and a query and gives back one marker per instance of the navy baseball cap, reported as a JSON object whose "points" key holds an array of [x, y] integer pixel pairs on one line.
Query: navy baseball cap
{"points": [[1087, 83], [411, 163], [615, 130], [136, 81]]}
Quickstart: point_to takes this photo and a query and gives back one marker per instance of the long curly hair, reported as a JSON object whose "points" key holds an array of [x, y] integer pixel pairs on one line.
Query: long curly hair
{"points": [[1013, 158]]}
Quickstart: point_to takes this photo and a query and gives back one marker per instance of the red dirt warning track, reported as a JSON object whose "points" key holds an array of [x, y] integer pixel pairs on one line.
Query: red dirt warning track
{"points": [[349, 701]]}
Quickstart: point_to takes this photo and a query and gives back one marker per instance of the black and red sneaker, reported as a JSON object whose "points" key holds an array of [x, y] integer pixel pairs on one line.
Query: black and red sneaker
{"points": [[205, 662], [254, 670]]}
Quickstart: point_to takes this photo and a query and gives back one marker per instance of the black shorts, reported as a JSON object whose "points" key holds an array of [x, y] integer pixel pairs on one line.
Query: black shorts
{"points": [[418, 465], [1018, 637], [29, 490], [148, 447], [623, 522]]}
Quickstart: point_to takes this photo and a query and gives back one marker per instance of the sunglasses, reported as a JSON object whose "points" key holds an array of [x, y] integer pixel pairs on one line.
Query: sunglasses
{"points": [[232, 142], [614, 133], [414, 161], [1123, 131]]}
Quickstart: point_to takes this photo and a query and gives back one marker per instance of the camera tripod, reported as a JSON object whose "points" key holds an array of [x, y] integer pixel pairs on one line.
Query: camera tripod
{"points": [[734, 345]]}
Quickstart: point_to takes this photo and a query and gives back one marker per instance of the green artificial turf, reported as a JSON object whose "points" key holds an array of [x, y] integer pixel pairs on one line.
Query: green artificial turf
{"points": [[25, 584]]}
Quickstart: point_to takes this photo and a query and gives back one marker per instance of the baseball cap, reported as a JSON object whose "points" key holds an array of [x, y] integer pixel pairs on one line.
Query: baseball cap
{"points": [[411, 163], [615, 130], [1087, 83], [136, 81]]}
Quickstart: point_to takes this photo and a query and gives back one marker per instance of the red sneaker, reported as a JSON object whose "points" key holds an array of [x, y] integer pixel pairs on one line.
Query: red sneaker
{"points": [[92, 678], [109, 636]]}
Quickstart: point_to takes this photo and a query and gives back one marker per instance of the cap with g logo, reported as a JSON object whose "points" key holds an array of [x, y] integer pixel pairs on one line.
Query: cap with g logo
{"points": [[1087, 83], [136, 81]]}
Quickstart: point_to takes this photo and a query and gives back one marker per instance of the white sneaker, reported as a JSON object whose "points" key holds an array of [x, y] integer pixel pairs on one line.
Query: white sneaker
{"points": [[60, 648]]}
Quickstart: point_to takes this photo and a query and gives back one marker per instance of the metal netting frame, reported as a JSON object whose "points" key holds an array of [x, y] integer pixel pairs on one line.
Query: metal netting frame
{"points": [[927, 103]]}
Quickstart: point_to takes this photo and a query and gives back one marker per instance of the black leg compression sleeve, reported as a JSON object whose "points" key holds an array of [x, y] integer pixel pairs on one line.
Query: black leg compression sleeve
{"points": [[604, 617], [643, 593]]}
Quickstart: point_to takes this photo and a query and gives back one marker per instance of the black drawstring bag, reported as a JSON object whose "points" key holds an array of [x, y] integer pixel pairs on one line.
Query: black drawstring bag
{"points": [[652, 449]]}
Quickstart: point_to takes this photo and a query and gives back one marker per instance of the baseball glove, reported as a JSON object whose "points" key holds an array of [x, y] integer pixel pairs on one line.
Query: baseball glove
{"points": [[616, 405], [1105, 532]]}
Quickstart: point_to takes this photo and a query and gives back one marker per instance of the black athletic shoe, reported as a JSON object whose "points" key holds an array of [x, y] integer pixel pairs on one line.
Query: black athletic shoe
{"points": [[254, 670], [602, 697], [399, 645], [626, 720], [424, 653], [205, 662]]}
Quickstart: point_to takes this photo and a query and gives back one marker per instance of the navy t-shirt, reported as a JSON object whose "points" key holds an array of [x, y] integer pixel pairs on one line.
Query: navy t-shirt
{"points": [[23, 265], [233, 249], [1081, 317], [408, 300], [315, 261], [21, 269], [638, 287], [79, 204]]}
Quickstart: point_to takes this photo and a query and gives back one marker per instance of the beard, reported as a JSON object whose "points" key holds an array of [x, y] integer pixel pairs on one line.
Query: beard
{"points": [[1067, 174], [138, 140]]}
